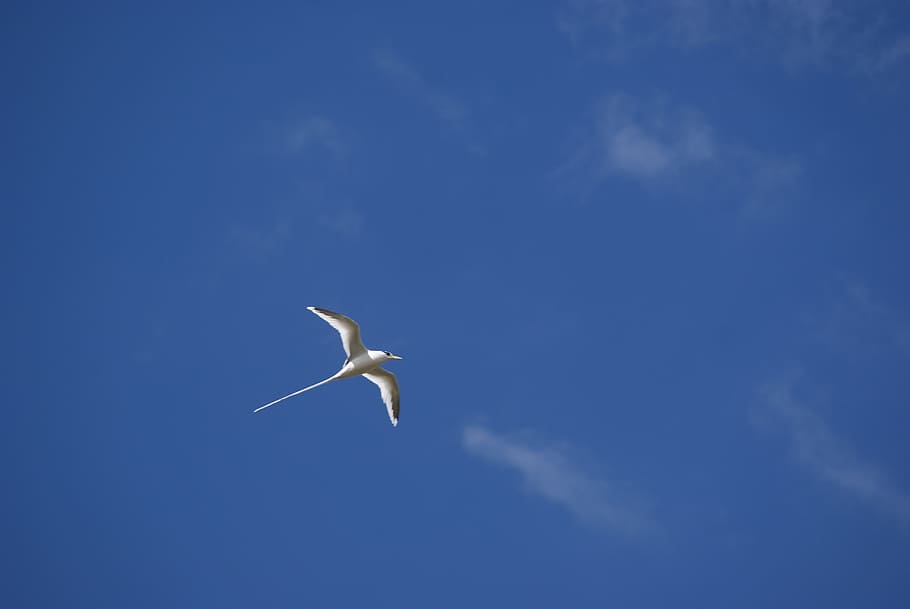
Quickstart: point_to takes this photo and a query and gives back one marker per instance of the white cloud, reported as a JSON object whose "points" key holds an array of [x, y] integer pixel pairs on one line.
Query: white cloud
{"points": [[548, 472], [631, 150], [676, 150], [828, 457], [646, 145]]}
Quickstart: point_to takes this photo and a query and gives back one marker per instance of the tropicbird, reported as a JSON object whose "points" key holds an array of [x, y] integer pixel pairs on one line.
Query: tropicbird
{"points": [[360, 362]]}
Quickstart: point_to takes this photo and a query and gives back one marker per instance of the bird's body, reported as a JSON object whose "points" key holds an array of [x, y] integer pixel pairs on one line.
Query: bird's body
{"points": [[360, 362]]}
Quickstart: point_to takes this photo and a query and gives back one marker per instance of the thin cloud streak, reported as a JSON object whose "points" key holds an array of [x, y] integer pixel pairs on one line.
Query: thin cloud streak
{"points": [[447, 108], [549, 473], [859, 320], [826, 456]]}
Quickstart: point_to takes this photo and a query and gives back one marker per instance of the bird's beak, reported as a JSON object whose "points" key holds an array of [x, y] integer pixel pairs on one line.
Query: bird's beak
{"points": [[395, 357]]}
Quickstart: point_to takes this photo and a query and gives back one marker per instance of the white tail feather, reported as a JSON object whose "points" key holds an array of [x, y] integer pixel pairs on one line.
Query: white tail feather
{"points": [[290, 395]]}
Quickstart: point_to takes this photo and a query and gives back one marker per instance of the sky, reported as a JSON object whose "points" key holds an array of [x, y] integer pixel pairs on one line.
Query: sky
{"points": [[645, 263]]}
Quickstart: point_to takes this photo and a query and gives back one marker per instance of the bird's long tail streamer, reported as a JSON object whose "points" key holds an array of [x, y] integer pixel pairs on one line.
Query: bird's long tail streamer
{"points": [[290, 395]]}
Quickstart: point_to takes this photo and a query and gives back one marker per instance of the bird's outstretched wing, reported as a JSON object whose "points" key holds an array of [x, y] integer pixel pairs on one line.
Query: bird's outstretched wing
{"points": [[388, 388], [347, 328]]}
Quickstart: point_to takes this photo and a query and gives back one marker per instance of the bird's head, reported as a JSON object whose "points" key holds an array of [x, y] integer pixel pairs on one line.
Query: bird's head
{"points": [[390, 356]]}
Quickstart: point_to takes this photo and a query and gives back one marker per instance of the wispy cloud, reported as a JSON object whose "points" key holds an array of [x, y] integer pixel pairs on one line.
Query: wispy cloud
{"points": [[261, 242], [348, 223], [620, 28], [768, 183], [316, 133], [828, 457], [666, 148], [648, 146], [896, 53], [547, 471], [860, 318], [797, 32], [446, 107]]}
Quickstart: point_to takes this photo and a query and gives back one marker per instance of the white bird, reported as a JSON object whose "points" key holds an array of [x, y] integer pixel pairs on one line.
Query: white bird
{"points": [[360, 362]]}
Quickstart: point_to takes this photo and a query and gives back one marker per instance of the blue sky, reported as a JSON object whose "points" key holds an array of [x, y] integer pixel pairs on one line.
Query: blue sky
{"points": [[645, 261]]}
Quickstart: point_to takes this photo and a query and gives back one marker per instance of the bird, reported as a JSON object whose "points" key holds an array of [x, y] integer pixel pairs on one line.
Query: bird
{"points": [[360, 362]]}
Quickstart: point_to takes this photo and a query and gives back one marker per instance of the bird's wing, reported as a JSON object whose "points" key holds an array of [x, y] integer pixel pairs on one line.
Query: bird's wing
{"points": [[347, 328], [388, 388]]}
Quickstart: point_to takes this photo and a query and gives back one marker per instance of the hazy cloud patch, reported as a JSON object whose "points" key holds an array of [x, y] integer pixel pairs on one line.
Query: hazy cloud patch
{"points": [[798, 33], [316, 134], [262, 241], [674, 150], [349, 223], [647, 145]]}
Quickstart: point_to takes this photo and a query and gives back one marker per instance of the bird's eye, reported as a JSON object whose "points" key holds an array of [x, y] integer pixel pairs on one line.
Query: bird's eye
{"points": [[387, 353]]}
